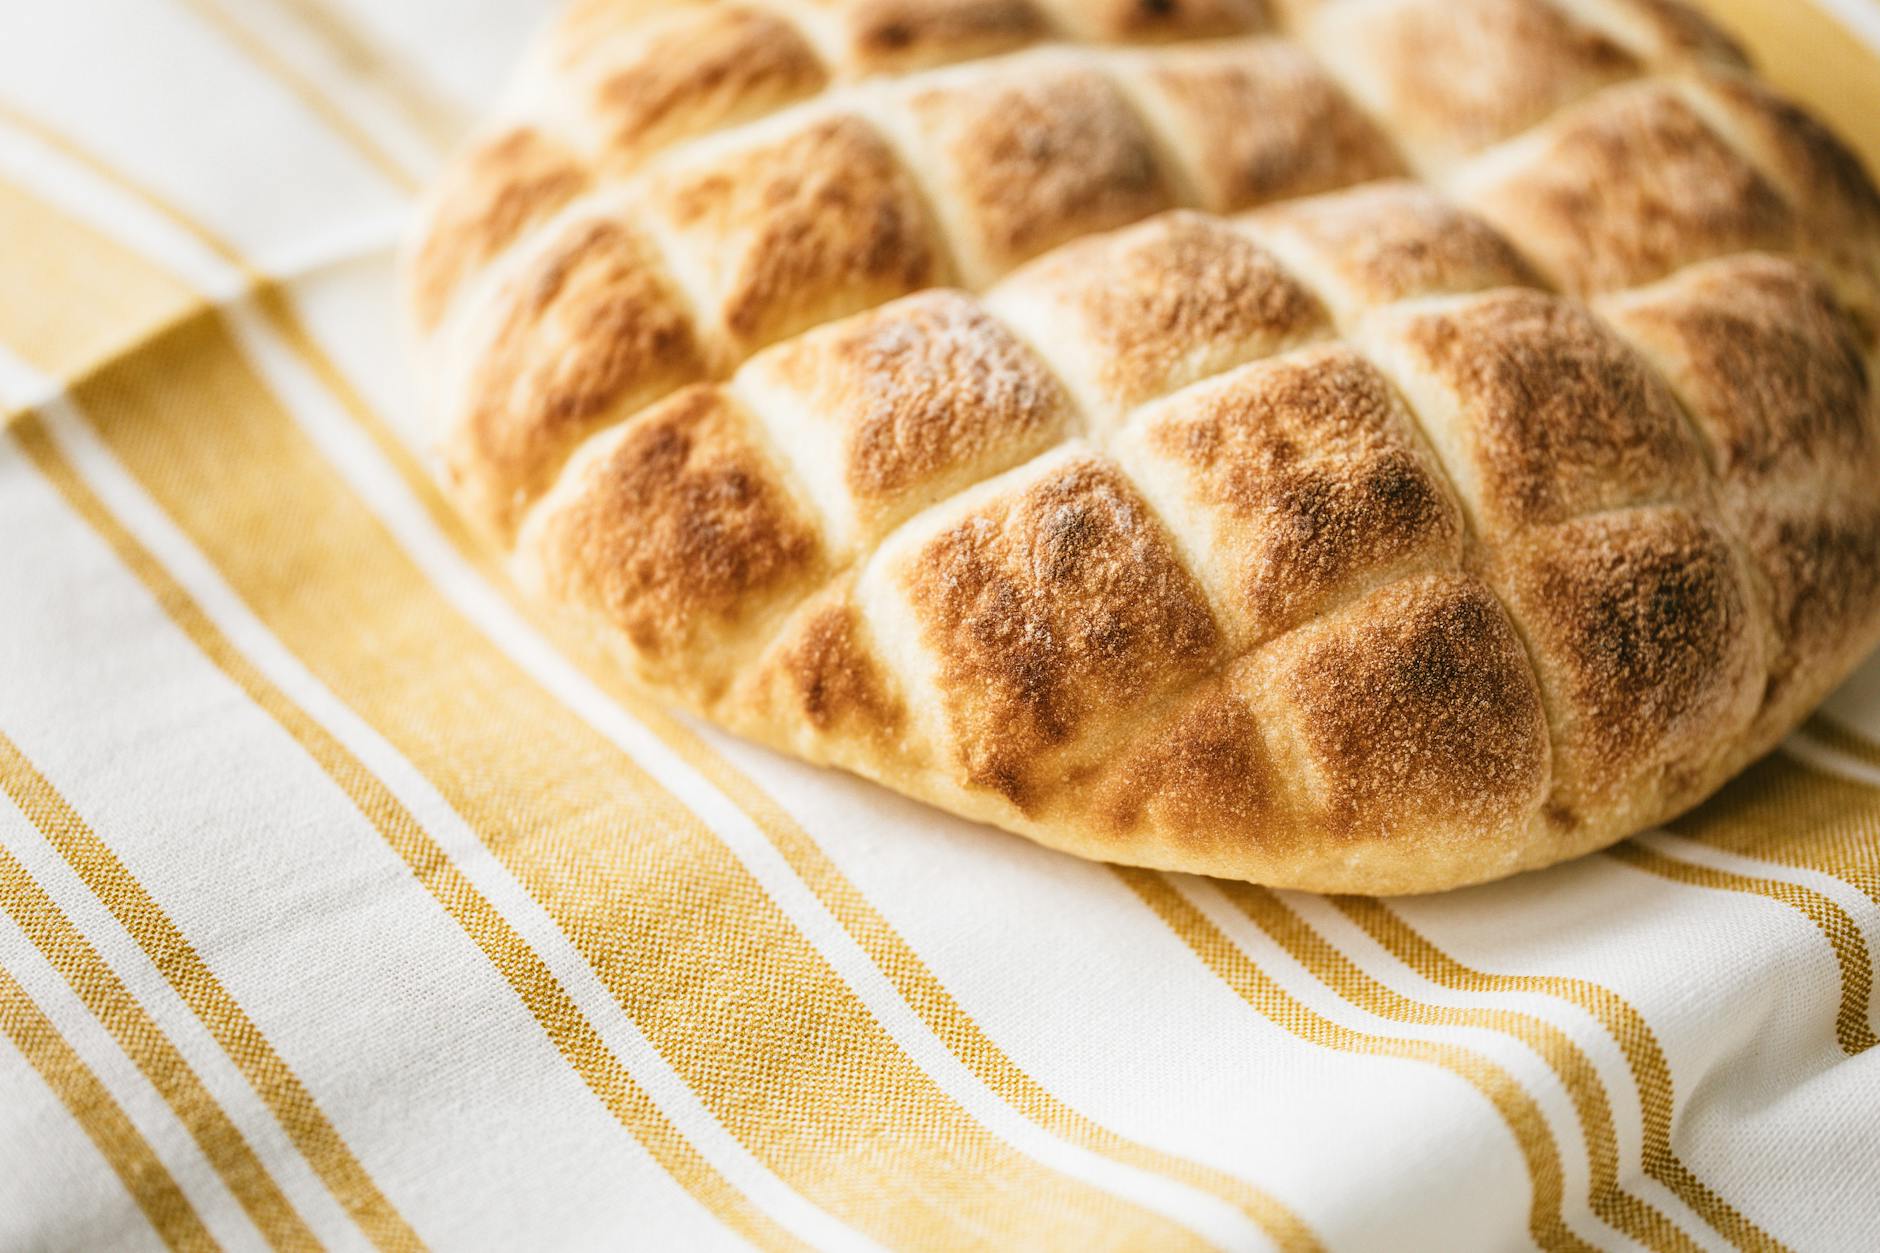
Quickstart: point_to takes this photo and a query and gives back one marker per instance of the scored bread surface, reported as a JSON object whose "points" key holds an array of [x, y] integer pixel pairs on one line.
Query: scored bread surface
{"points": [[1357, 445]]}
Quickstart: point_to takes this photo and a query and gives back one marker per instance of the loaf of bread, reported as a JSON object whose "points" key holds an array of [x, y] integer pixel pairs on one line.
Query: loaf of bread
{"points": [[1363, 445]]}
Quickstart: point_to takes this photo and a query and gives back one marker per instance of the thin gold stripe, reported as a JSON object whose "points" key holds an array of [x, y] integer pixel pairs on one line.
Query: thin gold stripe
{"points": [[1851, 1027], [1612, 1203], [923, 992], [124, 1148], [1791, 812], [690, 945], [1842, 738], [66, 147], [531, 979], [1651, 1073], [271, 64], [440, 121], [112, 1004], [1517, 1109]]}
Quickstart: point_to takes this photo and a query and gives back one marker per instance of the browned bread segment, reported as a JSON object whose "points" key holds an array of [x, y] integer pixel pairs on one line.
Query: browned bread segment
{"points": [[1362, 445], [892, 411], [1774, 374], [1127, 317], [1297, 482], [590, 329]]}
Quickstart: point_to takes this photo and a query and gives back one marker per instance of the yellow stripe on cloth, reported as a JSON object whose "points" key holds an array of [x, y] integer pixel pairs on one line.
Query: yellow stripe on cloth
{"points": [[271, 63], [1784, 811], [124, 1148], [436, 118], [922, 991], [524, 970], [689, 944], [1651, 1073], [928, 997], [1851, 1028], [94, 862], [1612, 1203], [1517, 1109], [1843, 739], [144, 1042], [76, 298]]}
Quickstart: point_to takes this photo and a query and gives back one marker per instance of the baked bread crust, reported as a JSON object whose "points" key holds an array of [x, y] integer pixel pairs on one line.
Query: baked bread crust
{"points": [[1355, 445]]}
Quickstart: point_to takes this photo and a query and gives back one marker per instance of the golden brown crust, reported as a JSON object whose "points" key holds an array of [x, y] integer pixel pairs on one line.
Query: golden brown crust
{"points": [[1414, 712], [1641, 629], [1767, 363], [591, 329], [834, 677], [711, 68], [1309, 137], [1050, 610], [897, 35], [591, 30], [1824, 597], [1629, 186], [1031, 157], [1318, 545], [825, 685], [1304, 480], [1145, 21], [675, 529], [1141, 312], [1824, 176], [1454, 76], [501, 187], [1668, 30], [1390, 241], [906, 403], [1833, 193], [797, 229], [1539, 412], [1203, 778]]}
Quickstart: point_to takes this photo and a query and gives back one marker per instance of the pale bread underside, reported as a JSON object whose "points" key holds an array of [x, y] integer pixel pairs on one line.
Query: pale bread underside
{"points": [[1370, 445]]}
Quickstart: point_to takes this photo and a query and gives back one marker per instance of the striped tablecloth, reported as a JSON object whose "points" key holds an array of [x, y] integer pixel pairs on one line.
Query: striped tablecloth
{"points": [[338, 907]]}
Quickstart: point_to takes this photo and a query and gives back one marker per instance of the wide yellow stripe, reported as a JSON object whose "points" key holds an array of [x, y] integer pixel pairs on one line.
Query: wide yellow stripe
{"points": [[78, 298], [928, 997], [1787, 811], [1805, 50], [1843, 934], [140, 915], [890, 952], [105, 995], [689, 944], [1612, 1203], [1517, 1109], [1651, 1073], [124, 1148], [310, 96]]}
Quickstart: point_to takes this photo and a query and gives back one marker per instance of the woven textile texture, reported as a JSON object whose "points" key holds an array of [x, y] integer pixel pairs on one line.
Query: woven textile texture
{"points": [[340, 907]]}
